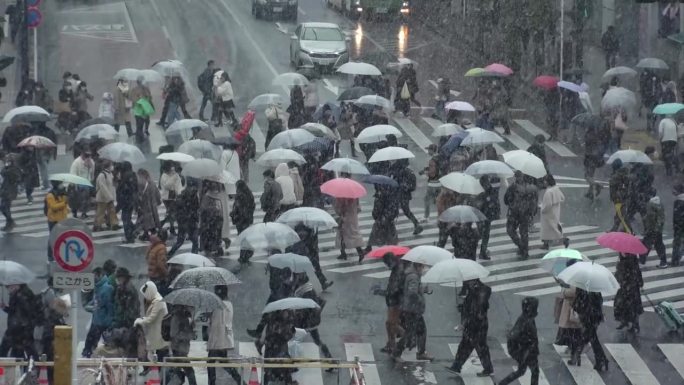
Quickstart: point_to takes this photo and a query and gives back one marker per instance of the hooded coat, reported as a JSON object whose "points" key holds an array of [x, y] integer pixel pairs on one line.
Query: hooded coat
{"points": [[654, 221], [155, 311], [103, 312], [243, 209], [156, 259], [412, 300], [522, 343], [551, 229]]}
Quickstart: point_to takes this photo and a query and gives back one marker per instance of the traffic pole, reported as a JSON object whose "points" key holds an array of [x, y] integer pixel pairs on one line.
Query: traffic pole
{"points": [[73, 314]]}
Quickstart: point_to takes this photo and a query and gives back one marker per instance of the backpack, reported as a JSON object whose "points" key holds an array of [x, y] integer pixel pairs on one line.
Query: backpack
{"points": [[247, 149], [513, 345]]}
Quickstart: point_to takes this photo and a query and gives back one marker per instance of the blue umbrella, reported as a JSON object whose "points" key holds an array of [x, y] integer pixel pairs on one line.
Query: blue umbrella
{"points": [[334, 107], [452, 144], [381, 180]]}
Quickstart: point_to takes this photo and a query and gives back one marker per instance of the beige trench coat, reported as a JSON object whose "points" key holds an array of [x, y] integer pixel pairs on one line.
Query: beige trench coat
{"points": [[564, 320]]}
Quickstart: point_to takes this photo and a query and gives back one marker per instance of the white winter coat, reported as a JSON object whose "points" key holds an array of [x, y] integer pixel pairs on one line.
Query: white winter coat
{"points": [[83, 168], [550, 214], [298, 185], [230, 161], [154, 314], [282, 174], [225, 91], [667, 130], [170, 182], [221, 328], [104, 187]]}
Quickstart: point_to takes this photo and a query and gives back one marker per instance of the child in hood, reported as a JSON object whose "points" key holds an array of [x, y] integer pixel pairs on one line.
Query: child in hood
{"points": [[107, 106]]}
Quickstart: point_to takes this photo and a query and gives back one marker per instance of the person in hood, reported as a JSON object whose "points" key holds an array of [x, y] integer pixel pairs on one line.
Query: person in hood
{"points": [[242, 213], [156, 258], [619, 192], [678, 224], [402, 173], [654, 221], [297, 181], [521, 199], [126, 300], [523, 344], [628, 298], [151, 323], [102, 307], [271, 197], [282, 176], [22, 316], [551, 229], [56, 207], [126, 198], [412, 308], [310, 319], [538, 149], [105, 195], [220, 334], [385, 212], [106, 109], [211, 220], [490, 207]]}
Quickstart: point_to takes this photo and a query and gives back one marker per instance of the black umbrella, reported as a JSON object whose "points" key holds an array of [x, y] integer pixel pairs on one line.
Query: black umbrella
{"points": [[225, 141], [5, 61], [587, 120], [92, 121], [355, 93]]}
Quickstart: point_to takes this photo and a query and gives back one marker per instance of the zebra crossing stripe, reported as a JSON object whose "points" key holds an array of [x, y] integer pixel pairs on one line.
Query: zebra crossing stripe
{"points": [[470, 368], [675, 355], [248, 349], [414, 133], [634, 368], [527, 377], [584, 374], [309, 376], [258, 136], [364, 352]]}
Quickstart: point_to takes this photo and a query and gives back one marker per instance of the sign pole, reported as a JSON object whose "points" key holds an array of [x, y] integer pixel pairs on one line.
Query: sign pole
{"points": [[73, 314], [35, 54]]}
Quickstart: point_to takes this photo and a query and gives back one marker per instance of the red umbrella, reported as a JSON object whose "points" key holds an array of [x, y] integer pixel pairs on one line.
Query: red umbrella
{"points": [[622, 243], [546, 82], [499, 69], [343, 188], [380, 251]]}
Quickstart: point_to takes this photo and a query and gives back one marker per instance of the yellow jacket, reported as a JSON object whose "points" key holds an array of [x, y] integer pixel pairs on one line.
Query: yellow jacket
{"points": [[57, 207]]}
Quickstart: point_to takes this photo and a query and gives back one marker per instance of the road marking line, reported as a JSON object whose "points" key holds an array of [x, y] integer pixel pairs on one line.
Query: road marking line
{"points": [[514, 138], [675, 354], [258, 137], [414, 133], [555, 146], [584, 374], [633, 367], [308, 376], [364, 352], [470, 368], [301, 11], [131, 27], [527, 377], [328, 84]]}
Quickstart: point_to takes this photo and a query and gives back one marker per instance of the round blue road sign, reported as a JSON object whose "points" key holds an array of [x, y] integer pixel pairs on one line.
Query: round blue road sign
{"points": [[33, 17], [32, 3]]}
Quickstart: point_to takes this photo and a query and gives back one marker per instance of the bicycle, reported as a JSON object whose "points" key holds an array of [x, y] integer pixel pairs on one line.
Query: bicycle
{"points": [[106, 374], [30, 377]]}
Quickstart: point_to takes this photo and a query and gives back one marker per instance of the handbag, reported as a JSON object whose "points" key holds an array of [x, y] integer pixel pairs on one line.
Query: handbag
{"points": [[405, 93], [557, 306], [574, 317]]}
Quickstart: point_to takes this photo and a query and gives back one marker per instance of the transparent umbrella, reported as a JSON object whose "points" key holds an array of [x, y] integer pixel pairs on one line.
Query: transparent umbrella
{"points": [[374, 100], [489, 167], [291, 303], [525, 162], [13, 273], [192, 259], [202, 301], [97, 131], [273, 158], [204, 277], [359, 68], [462, 214], [70, 178], [618, 97], [447, 129], [312, 217], [267, 236], [653, 63], [319, 129], [265, 100], [200, 148], [37, 141], [455, 270], [176, 157], [347, 165], [183, 128], [291, 138], [295, 262], [390, 153], [479, 137], [620, 72], [630, 156], [427, 255], [290, 79], [377, 133], [591, 277], [26, 114], [459, 106], [170, 67], [201, 168], [120, 152], [461, 183]]}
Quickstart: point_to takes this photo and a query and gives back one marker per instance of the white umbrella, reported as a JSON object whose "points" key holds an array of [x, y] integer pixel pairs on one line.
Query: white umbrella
{"points": [[267, 236], [570, 86], [176, 157], [374, 100], [183, 127], [290, 79], [13, 273], [525, 162], [120, 152], [150, 76], [489, 167], [275, 157], [390, 153], [291, 138], [200, 148], [192, 259], [478, 136], [312, 217], [170, 67], [295, 262], [619, 71], [201, 301], [461, 183], [130, 74], [204, 277], [319, 129], [630, 156], [359, 68], [462, 214], [350, 166], [26, 114], [653, 63], [591, 277], [265, 100], [290, 303], [618, 97], [427, 255], [447, 129], [455, 270], [377, 133], [201, 168], [459, 106], [97, 131]]}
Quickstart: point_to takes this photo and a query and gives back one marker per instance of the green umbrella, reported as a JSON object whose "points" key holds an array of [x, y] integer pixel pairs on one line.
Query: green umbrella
{"points": [[476, 72], [71, 178], [668, 108]]}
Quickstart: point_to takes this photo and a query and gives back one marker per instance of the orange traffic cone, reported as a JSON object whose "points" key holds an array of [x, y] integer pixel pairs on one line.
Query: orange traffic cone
{"points": [[42, 376], [253, 377], [153, 377]]}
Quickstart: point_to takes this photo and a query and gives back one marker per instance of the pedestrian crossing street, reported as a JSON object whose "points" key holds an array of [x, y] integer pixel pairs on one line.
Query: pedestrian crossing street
{"points": [[377, 367], [507, 272]]}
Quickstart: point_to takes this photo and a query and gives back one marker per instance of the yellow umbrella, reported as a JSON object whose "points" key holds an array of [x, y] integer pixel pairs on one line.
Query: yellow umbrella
{"points": [[476, 72]]}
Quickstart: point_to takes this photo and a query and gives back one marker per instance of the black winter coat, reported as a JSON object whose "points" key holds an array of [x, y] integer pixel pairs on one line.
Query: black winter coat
{"points": [[523, 344], [589, 308]]}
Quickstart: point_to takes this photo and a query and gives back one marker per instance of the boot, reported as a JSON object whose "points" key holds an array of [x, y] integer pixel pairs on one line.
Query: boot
{"points": [[325, 351]]}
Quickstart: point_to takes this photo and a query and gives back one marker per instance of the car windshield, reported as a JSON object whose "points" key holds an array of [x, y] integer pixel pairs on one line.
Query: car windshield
{"points": [[322, 34]]}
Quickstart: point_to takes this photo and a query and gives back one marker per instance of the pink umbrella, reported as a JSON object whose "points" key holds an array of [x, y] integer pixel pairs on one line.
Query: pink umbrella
{"points": [[37, 141], [378, 253], [546, 82], [499, 69], [343, 188], [622, 243]]}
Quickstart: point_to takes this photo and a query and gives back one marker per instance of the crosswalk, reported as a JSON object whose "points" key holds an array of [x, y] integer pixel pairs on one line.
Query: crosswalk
{"points": [[632, 361], [507, 272]]}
